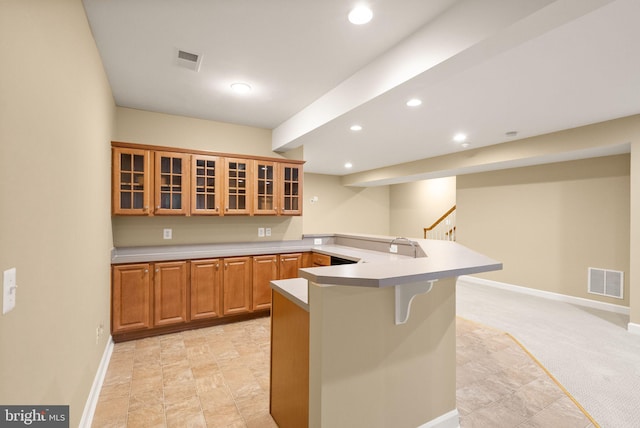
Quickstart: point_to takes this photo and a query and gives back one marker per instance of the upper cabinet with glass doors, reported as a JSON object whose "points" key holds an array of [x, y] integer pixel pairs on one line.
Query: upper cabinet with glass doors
{"points": [[131, 185], [238, 177], [264, 192], [148, 180], [290, 189], [206, 173], [172, 183]]}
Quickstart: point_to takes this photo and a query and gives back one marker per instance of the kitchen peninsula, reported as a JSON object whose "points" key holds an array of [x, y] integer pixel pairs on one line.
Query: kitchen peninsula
{"points": [[370, 344]]}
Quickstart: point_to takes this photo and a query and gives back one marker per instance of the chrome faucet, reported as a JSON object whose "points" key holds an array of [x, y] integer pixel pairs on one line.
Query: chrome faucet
{"points": [[413, 244]]}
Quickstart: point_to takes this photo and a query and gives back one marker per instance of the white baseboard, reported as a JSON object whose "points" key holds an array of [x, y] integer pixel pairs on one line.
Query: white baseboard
{"points": [[448, 420], [547, 295], [633, 328], [94, 394]]}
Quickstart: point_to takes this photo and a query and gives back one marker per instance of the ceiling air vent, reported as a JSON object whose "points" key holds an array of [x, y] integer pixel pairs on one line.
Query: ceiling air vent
{"points": [[606, 282], [189, 60]]}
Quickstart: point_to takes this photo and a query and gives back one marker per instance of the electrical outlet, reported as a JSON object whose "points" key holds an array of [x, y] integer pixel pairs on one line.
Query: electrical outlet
{"points": [[267, 231], [393, 248], [317, 241], [167, 233], [261, 232]]}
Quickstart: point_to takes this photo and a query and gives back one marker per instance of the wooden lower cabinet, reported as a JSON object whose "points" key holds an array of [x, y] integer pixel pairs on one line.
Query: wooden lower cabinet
{"points": [[236, 285], [170, 293], [131, 298], [206, 289], [154, 298], [265, 270], [289, 265]]}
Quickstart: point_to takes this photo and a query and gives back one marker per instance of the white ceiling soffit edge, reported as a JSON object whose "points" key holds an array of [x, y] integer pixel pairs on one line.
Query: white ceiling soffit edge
{"points": [[595, 152], [509, 24]]}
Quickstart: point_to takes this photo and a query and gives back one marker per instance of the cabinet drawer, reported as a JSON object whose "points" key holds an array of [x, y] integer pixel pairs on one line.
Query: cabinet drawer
{"points": [[321, 259]]}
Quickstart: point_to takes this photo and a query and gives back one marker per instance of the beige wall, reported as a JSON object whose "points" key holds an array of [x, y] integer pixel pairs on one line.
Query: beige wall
{"points": [[414, 206], [144, 127], [549, 223], [366, 371], [344, 209], [634, 256], [56, 117]]}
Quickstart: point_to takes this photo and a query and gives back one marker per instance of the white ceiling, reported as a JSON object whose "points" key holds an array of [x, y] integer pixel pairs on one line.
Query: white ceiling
{"points": [[483, 67]]}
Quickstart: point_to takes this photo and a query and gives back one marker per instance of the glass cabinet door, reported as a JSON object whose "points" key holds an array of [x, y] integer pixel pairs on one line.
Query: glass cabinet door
{"points": [[131, 181], [238, 185], [172, 183], [265, 188], [205, 184], [291, 188]]}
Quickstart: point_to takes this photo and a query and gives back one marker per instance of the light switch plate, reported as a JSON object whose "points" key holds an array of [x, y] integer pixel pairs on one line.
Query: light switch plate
{"points": [[261, 232], [167, 233], [9, 290], [267, 231]]}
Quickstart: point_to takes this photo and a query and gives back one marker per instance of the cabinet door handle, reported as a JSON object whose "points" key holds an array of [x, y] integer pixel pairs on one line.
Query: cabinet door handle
{"points": [[157, 270], [146, 271]]}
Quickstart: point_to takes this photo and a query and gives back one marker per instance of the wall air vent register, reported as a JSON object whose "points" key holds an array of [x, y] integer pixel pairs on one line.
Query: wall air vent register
{"points": [[606, 282]]}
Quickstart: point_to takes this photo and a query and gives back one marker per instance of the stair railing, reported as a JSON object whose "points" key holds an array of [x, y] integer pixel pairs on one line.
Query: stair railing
{"points": [[444, 228]]}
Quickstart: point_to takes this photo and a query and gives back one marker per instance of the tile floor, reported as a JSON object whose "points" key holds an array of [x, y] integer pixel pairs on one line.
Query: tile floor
{"points": [[219, 377]]}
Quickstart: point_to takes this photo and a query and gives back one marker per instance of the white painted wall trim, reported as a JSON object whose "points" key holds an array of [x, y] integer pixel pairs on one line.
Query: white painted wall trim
{"points": [[94, 394], [448, 420], [624, 310], [633, 328]]}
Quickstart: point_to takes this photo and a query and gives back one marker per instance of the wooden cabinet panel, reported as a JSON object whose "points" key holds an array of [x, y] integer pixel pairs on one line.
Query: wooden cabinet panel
{"points": [[131, 184], [170, 293], [206, 179], [238, 188], [172, 183], [236, 285], [289, 387], [206, 278], [131, 298], [289, 265], [265, 196], [265, 270], [290, 190], [321, 259]]}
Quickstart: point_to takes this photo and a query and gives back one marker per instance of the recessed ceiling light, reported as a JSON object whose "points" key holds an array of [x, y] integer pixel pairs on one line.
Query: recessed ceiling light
{"points": [[460, 137], [414, 102], [241, 88], [348, 165], [360, 15], [356, 128]]}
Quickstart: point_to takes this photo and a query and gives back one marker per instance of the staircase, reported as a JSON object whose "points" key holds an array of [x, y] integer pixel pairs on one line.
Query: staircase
{"points": [[444, 228]]}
